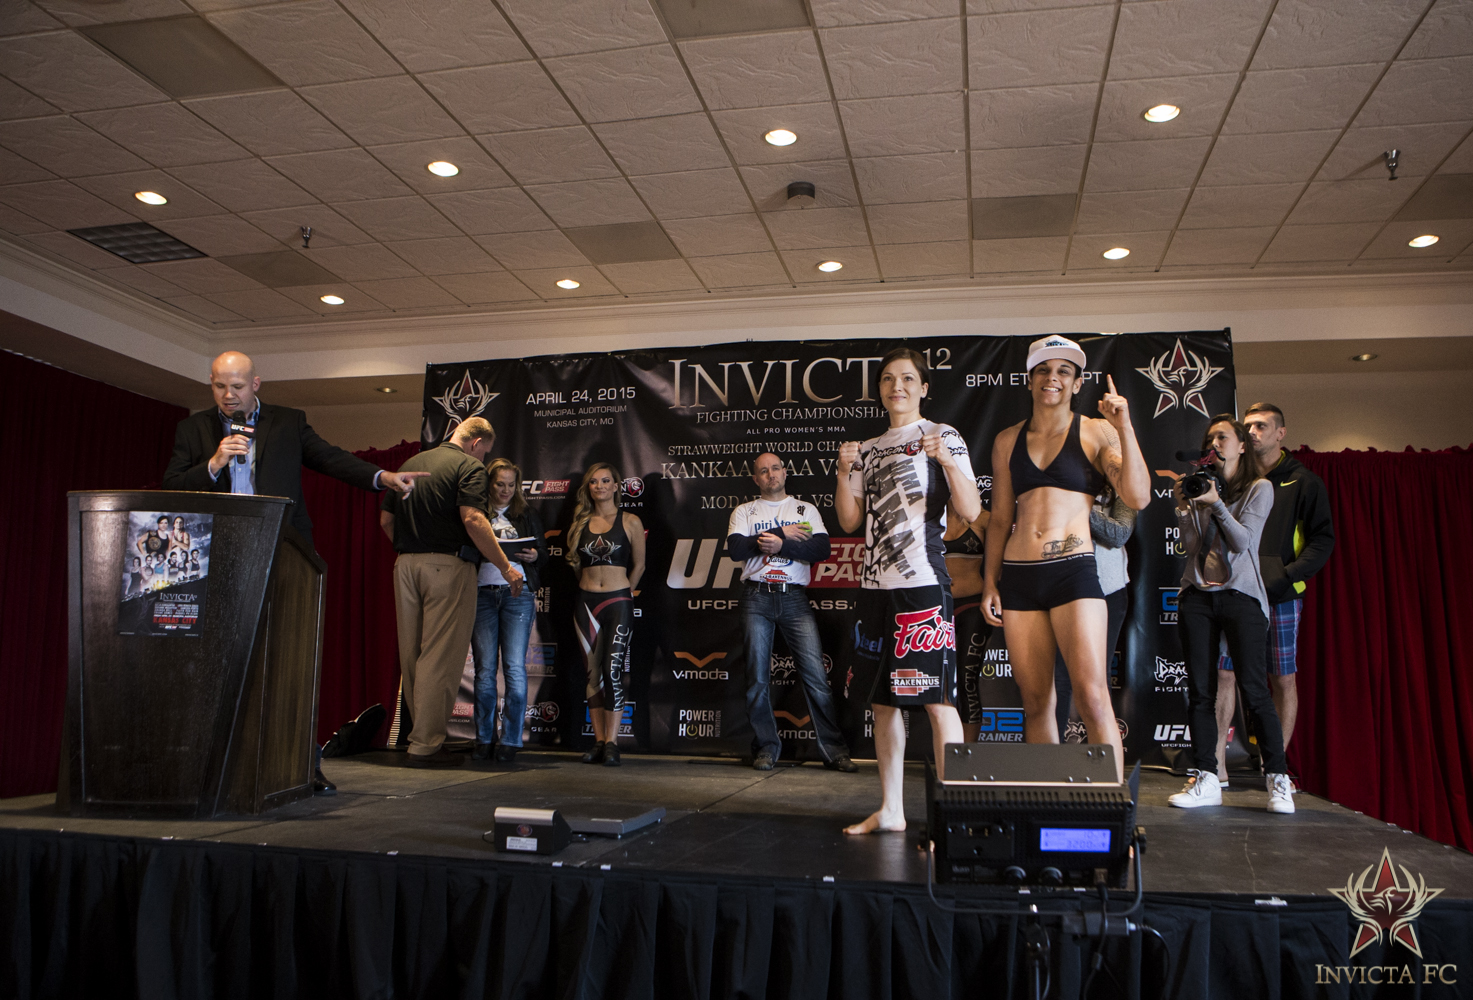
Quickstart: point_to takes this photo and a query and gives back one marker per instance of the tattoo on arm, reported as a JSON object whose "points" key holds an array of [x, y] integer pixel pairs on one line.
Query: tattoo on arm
{"points": [[1057, 549], [1110, 456]]}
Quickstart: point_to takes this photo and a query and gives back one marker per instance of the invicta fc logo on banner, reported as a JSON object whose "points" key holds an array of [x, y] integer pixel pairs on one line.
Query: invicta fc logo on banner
{"points": [[1387, 906]]}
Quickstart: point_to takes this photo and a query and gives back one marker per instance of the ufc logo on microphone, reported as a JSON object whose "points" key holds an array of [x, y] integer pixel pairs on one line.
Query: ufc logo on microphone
{"points": [[924, 632]]}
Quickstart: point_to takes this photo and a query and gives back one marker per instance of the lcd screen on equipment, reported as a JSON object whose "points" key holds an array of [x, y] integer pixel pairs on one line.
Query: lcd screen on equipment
{"points": [[1073, 841]]}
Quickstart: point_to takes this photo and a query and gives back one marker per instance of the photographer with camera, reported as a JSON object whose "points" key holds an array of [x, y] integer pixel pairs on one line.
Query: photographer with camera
{"points": [[1221, 509]]}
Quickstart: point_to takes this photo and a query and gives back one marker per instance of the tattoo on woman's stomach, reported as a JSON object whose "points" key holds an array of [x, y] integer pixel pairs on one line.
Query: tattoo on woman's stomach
{"points": [[1058, 549]]}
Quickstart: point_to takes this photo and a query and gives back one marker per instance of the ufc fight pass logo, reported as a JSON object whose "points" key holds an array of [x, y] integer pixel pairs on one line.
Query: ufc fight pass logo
{"points": [[923, 632]]}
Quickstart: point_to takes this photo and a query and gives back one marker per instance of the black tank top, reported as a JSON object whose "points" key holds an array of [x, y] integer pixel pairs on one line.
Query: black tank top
{"points": [[965, 544], [608, 549], [1069, 470]]}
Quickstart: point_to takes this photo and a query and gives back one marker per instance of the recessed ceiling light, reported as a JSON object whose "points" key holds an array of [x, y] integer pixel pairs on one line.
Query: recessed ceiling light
{"points": [[830, 265], [333, 300], [1423, 241], [781, 137], [1115, 253], [151, 198], [1161, 113], [442, 168], [568, 283], [386, 389], [1365, 357]]}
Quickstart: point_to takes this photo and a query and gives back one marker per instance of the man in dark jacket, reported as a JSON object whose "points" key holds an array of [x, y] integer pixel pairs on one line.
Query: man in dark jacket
{"points": [[1298, 538], [265, 452]]}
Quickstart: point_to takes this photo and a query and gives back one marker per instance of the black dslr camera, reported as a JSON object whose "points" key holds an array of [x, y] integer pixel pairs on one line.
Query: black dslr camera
{"points": [[1202, 477]]}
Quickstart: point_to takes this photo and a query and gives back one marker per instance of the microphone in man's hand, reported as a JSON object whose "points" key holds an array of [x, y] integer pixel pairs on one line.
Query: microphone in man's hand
{"points": [[238, 425]]}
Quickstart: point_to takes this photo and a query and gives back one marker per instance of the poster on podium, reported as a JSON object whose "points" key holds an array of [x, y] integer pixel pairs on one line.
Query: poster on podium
{"points": [[165, 573]]}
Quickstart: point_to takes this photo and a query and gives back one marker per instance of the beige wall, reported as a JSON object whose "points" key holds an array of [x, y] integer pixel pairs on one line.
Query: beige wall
{"points": [[372, 425], [1386, 411]]}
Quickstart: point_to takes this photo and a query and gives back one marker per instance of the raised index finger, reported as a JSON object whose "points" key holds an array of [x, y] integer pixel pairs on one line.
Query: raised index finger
{"points": [[1110, 381]]}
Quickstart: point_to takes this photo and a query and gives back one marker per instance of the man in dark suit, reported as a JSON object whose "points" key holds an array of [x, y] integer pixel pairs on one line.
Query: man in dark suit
{"points": [[207, 458]]}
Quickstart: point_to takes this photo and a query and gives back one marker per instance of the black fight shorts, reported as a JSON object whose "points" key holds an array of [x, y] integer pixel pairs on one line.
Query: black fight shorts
{"points": [[905, 647]]}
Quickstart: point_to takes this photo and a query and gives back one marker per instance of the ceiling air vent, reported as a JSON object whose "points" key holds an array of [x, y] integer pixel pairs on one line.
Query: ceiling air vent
{"points": [[704, 18], [623, 243], [138, 243], [1030, 215], [184, 56]]}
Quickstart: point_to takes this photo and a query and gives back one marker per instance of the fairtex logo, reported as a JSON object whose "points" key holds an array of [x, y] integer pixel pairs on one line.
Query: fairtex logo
{"points": [[1384, 906], [923, 632], [1180, 376], [546, 487]]}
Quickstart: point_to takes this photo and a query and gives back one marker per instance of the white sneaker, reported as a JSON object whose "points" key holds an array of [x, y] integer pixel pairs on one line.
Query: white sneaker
{"points": [[1202, 789], [1280, 793]]}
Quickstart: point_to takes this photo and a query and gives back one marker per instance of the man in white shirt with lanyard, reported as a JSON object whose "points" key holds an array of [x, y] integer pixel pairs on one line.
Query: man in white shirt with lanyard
{"points": [[778, 538]]}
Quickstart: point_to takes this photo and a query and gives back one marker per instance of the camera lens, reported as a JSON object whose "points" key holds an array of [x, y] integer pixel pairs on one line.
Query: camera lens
{"points": [[1195, 485]]}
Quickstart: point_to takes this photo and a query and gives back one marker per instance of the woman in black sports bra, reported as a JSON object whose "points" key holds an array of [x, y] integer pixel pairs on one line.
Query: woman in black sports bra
{"points": [[1040, 582], [606, 549]]}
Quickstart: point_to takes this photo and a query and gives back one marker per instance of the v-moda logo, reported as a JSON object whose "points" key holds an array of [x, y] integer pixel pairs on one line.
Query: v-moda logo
{"points": [[701, 672], [923, 632]]}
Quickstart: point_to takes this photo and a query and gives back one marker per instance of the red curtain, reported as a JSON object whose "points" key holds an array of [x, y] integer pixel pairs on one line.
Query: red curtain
{"points": [[58, 432], [360, 653], [1386, 676]]}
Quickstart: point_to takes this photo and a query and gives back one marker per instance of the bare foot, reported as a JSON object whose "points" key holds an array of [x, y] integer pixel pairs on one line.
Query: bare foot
{"points": [[878, 822]]}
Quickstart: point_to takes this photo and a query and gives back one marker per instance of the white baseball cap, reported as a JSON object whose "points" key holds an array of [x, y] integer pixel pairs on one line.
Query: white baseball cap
{"points": [[1055, 346]]}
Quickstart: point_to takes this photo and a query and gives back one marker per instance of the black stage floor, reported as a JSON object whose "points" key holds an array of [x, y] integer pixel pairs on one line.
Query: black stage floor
{"points": [[723, 818]]}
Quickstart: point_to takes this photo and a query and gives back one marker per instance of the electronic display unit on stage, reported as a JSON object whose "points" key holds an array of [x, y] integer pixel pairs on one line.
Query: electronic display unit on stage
{"points": [[1074, 840]]}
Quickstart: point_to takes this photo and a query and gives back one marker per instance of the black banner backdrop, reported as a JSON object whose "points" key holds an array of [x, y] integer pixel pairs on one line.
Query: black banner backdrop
{"points": [[682, 426]]}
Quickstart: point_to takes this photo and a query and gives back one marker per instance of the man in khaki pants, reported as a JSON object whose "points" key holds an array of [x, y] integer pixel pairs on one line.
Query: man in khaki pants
{"points": [[437, 528]]}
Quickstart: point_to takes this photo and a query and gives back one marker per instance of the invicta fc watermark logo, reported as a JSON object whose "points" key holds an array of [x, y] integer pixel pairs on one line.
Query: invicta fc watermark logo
{"points": [[1387, 906]]}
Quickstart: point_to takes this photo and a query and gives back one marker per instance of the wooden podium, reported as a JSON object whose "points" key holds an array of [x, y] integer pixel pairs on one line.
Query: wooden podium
{"points": [[191, 725]]}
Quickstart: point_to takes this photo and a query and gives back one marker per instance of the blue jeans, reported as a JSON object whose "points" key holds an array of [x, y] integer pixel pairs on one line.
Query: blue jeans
{"points": [[503, 625], [762, 613]]}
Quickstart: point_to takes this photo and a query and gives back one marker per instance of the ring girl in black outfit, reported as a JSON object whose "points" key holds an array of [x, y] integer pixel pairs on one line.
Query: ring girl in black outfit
{"points": [[1041, 582], [606, 549]]}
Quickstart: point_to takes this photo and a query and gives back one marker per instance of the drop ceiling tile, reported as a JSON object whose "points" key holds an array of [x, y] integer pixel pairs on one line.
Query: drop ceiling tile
{"points": [[1422, 148], [410, 161], [1452, 234], [243, 185], [1032, 116], [307, 43], [142, 280], [496, 286], [354, 299], [1145, 164], [447, 255], [753, 71], [17, 170], [1334, 242], [340, 175], [1038, 48], [388, 110], [1085, 254], [626, 83], [1130, 211], [1204, 99], [718, 235], [1447, 30], [501, 98], [886, 126], [833, 13], [1266, 159], [817, 227], [1169, 38], [17, 102], [428, 35], [1032, 253], [368, 262], [1239, 207], [202, 308], [891, 60], [84, 12], [1461, 161], [1010, 173], [590, 203], [93, 78], [832, 180], [203, 276], [693, 193], [221, 235], [565, 27], [1425, 90], [1332, 32], [925, 260], [816, 125], [528, 251], [271, 123], [859, 265], [398, 219], [740, 270], [1295, 100], [329, 229], [663, 145], [21, 18], [651, 276], [165, 135], [1006, 6], [62, 205], [74, 248], [19, 223], [928, 222], [65, 146], [505, 210], [259, 304], [917, 177], [546, 156], [407, 293], [590, 283], [1370, 200]]}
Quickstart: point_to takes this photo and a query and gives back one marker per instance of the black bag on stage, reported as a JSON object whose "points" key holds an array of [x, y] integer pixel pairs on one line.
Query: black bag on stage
{"points": [[357, 736]]}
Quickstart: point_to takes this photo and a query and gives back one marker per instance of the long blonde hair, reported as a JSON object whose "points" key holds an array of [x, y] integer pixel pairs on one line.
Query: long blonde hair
{"points": [[518, 505], [583, 511]]}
